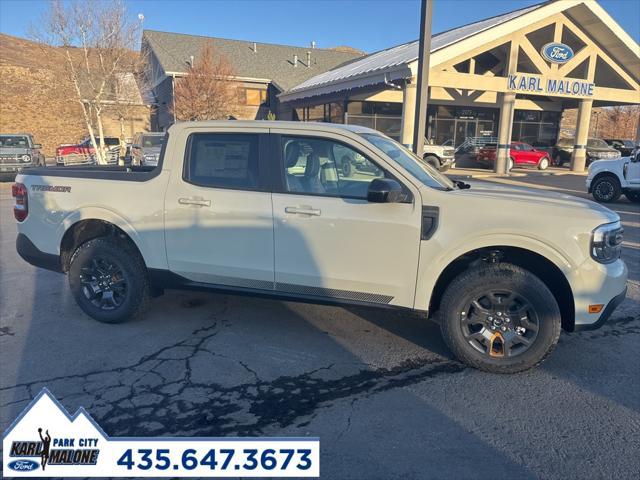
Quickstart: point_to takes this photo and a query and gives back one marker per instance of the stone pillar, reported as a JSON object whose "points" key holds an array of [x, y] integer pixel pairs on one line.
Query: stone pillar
{"points": [[579, 155], [408, 113], [507, 106]]}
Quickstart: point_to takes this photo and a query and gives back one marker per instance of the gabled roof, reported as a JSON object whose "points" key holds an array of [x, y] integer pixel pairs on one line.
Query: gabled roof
{"points": [[270, 62], [394, 63]]}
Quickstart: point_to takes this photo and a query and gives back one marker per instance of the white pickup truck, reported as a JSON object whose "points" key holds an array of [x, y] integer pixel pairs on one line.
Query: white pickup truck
{"points": [[610, 178], [260, 208]]}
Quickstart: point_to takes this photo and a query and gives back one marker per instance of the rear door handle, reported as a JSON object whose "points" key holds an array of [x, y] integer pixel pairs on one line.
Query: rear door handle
{"points": [[303, 211], [199, 202]]}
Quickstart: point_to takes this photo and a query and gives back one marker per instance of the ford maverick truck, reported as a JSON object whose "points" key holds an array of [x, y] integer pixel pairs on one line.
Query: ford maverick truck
{"points": [[262, 208]]}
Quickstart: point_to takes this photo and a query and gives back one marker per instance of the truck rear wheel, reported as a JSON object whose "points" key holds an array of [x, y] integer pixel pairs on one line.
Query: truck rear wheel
{"points": [[109, 280], [633, 196], [499, 318]]}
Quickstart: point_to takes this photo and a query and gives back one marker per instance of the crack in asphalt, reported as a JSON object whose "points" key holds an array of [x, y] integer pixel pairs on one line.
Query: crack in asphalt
{"points": [[162, 394]]}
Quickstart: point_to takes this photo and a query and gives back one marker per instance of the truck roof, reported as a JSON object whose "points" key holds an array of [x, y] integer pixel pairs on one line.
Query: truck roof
{"points": [[240, 124]]}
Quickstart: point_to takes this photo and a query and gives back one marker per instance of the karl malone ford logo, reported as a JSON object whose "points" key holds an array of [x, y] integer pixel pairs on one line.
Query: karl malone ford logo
{"points": [[47, 440], [557, 52]]}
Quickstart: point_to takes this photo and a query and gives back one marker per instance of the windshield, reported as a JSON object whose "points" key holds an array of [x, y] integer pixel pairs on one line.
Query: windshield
{"points": [[597, 143], [406, 159], [628, 143], [150, 141], [14, 141]]}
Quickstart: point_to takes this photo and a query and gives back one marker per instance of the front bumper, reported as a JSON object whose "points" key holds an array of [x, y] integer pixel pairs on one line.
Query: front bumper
{"points": [[594, 283], [588, 184], [13, 168], [605, 315]]}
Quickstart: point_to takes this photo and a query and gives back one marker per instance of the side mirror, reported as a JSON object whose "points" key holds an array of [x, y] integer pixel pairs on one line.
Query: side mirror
{"points": [[37, 146], [385, 190]]}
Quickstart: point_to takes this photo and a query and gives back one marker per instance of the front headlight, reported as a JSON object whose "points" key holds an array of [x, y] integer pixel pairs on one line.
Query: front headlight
{"points": [[25, 158], [606, 242]]}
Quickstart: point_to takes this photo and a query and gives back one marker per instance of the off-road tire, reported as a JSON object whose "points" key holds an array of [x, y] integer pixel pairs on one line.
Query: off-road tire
{"points": [[496, 276], [138, 293], [610, 182], [346, 167], [633, 196]]}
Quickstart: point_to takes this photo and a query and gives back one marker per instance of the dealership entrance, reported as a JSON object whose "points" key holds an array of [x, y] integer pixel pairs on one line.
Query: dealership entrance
{"points": [[507, 78]]}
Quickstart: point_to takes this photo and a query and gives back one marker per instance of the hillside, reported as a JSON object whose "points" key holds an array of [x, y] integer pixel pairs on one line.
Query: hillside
{"points": [[32, 88], [36, 98]]}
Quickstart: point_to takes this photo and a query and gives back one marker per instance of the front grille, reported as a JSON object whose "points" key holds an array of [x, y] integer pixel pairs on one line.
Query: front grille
{"points": [[10, 160]]}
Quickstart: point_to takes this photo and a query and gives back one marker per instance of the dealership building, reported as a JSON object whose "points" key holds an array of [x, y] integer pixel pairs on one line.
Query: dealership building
{"points": [[506, 78]]}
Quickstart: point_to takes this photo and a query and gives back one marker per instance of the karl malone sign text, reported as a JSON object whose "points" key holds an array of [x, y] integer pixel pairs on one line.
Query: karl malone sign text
{"points": [[550, 86]]}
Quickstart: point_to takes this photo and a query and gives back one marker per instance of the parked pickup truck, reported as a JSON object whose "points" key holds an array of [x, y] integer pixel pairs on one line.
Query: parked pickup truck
{"points": [[440, 157], [608, 179], [260, 208], [83, 153], [18, 150]]}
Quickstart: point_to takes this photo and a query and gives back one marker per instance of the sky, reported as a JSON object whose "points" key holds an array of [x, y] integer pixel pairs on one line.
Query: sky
{"points": [[368, 25]]}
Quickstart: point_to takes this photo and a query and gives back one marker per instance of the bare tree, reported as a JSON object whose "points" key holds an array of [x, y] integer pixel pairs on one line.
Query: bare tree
{"points": [[97, 48], [207, 92]]}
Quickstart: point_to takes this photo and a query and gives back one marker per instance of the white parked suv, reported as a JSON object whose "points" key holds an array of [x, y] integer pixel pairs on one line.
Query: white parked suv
{"points": [[608, 179], [261, 208]]}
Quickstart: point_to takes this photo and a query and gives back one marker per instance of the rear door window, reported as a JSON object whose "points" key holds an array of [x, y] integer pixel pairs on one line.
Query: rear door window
{"points": [[223, 160]]}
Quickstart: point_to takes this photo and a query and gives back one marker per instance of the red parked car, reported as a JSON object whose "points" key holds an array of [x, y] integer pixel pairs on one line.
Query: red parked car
{"points": [[520, 154]]}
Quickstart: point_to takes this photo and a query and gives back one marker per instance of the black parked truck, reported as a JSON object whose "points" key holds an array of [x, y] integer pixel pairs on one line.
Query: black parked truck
{"points": [[17, 151], [625, 147], [597, 149]]}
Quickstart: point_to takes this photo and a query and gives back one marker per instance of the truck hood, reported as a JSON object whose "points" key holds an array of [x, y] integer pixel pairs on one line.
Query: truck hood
{"points": [[525, 199]]}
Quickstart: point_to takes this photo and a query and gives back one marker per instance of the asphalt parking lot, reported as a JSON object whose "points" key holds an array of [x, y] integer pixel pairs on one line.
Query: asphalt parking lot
{"points": [[380, 389]]}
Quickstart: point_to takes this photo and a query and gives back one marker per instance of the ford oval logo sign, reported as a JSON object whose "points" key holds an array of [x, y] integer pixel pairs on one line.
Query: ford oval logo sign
{"points": [[23, 465], [557, 52]]}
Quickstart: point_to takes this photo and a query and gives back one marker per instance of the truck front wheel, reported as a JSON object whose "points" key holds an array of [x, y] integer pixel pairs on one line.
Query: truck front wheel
{"points": [[109, 280], [499, 318], [433, 161], [606, 188]]}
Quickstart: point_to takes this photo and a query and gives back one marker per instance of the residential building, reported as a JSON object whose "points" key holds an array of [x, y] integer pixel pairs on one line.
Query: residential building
{"points": [[261, 70]]}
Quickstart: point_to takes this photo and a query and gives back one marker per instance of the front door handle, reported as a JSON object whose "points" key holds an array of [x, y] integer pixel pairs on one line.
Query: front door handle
{"points": [[303, 211], [198, 202]]}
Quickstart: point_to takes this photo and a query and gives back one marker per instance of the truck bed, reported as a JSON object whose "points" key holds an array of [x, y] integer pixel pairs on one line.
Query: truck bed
{"points": [[99, 172]]}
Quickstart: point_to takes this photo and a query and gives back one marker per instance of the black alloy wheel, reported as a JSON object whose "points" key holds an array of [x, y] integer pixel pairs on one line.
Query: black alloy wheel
{"points": [[109, 280], [103, 283], [500, 323]]}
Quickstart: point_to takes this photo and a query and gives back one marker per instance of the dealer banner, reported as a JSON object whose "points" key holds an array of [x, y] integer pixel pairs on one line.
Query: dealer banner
{"points": [[45, 441]]}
